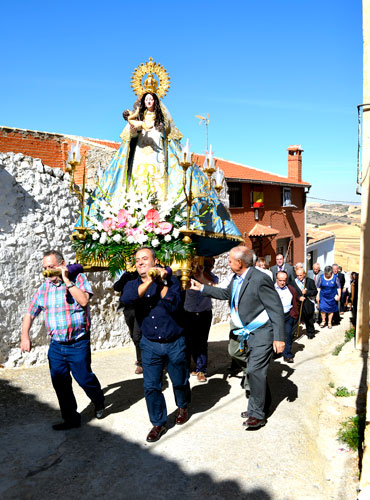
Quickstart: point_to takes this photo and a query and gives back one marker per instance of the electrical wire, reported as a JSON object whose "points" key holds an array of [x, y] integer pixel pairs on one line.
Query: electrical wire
{"points": [[335, 201]]}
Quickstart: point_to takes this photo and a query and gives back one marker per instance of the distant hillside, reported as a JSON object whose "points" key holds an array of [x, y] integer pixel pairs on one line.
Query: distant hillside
{"points": [[344, 222], [320, 214]]}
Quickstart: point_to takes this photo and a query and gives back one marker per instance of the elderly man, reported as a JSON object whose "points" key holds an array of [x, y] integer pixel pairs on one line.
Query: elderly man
{"points": [[257, 325], [67, 320], [156, 299], [281, 265], [289, 301], [315, 272], [307, 291]]}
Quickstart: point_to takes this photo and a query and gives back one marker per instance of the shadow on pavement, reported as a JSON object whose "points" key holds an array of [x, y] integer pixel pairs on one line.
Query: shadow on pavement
{"points": [[90, 462], [119, 396]]}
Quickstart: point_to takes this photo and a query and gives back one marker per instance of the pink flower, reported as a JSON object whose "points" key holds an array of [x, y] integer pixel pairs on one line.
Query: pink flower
{"points": [[152, 216], [136, 233], [122, 217], [165, 227], [109, 225]]}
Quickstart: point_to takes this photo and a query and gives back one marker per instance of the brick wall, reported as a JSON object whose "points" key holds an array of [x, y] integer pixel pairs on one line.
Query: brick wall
{"points": [[51, 148], [288, 221], [48, 147]]}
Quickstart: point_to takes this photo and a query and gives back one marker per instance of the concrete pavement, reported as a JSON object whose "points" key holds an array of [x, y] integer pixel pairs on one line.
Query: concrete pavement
{"points": [[294, 457]]}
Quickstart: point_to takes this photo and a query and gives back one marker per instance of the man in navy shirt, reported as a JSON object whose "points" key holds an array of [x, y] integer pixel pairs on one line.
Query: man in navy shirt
{"points": [[157, 302]]}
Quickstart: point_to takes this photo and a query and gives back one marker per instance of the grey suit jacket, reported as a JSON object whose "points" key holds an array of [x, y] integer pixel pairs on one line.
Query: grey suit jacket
{"points": [[311, 275], [257, 293], [288, 269]]}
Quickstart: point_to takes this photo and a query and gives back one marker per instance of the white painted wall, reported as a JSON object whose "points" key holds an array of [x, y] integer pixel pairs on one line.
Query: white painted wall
{"points": [[323, 252]]}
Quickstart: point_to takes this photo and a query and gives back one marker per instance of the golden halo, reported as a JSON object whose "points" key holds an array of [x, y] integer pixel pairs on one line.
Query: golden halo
{"points": [[150, 85]]}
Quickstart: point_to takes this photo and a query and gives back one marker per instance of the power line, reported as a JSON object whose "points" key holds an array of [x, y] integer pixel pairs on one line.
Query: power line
{"points": [[334, 201]]}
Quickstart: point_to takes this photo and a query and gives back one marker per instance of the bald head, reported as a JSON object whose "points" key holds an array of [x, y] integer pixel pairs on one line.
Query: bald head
{"points": [[240, 258]]}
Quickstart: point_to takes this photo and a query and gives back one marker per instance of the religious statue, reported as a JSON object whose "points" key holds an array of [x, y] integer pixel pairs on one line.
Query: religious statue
{"points": [[148, 162]]}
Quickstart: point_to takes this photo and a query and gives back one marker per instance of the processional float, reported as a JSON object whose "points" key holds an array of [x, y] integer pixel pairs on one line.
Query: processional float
{"points": [[152, 193]]}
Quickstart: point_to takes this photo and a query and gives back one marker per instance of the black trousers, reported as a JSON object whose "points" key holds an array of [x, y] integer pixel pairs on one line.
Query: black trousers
{"points": [[135, 332], [197, 327]]}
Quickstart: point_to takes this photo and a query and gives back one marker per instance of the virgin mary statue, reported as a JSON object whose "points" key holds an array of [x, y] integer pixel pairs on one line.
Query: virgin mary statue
{"points": [[148, 161]]}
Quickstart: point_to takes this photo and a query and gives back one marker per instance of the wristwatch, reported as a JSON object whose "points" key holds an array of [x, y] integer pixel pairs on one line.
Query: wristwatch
{"points": [[70, 285]]}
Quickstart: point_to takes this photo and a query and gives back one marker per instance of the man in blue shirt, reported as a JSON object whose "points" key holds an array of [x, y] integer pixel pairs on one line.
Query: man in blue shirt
{"points": [[157, 302]]}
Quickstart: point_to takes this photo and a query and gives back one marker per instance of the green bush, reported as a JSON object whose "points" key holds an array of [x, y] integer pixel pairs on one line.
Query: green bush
{"points": [[351, 431], [343, 392]]}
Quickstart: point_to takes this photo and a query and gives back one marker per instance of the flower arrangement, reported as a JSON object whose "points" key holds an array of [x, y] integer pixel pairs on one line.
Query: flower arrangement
{"points": [[115, 232]]}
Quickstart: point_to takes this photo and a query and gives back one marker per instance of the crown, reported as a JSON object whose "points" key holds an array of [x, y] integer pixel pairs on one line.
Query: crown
{"points": [[150, 84]]}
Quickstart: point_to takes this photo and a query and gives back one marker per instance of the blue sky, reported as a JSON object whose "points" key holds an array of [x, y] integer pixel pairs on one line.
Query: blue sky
{"points": [[270, 74]]}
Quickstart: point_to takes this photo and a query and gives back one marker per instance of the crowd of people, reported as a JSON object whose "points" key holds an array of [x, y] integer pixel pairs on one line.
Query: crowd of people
{"points": [[170, 327]]}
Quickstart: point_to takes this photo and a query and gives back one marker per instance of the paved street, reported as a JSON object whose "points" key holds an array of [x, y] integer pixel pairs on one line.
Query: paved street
{"points": [[294, 457]]}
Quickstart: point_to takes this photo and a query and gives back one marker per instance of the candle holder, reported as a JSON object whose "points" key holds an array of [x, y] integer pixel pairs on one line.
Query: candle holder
{"points": [[74, 161], [209, 166], [219, 179]]}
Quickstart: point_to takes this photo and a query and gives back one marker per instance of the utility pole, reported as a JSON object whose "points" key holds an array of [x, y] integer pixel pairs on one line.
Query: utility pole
{"points": [[362, 324]]}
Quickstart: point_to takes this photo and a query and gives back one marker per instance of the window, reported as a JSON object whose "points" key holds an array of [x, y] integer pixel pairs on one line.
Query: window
{"points": [[235, 195], [257, 197], [286, 197]]}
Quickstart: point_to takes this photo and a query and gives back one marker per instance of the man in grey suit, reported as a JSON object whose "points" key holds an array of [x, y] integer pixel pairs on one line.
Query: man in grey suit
{"points": [[257, 325], [315, 272], [283, 266]]}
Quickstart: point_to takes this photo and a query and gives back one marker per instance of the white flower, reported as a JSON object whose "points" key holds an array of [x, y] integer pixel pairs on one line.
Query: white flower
{"points": [[167, 237], [157, 230], [175, 233], [117, 238], [95, 235], [155, 242], [103, 238], [142, 238], [130, 239], [132, 221], [178, 218]]}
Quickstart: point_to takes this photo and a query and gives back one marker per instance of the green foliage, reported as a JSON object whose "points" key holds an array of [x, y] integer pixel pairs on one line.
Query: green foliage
{"points": [[349, 334], [351, 431], [331, 385], [343, 392], [337, 349], [120, 256]]}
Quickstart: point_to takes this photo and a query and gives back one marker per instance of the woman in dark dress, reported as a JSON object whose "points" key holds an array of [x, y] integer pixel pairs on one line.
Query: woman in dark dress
{"points": [[328, 296]]}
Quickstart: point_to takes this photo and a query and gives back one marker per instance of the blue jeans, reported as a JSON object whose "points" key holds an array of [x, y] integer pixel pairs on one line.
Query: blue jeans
{"points": [[155, 357], [75, 358], [289, 331]]}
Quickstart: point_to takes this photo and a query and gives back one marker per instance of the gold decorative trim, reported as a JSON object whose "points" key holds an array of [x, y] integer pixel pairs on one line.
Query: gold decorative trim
{"points": [[150, 68], [209, 234]]}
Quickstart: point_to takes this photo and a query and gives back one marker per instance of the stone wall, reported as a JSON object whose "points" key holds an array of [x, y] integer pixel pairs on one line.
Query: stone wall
{"points": [[37, 213]]}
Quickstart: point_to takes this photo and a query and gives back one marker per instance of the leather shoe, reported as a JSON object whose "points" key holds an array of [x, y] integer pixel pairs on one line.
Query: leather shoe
{"points": [[67, 424], [201, 377], [254, 423], [289, 360], [156, 433], [182, 416], [244, 414], [139, 370]]}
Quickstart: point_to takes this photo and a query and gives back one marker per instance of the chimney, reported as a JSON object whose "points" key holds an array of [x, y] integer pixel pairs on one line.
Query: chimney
{"points": [[295, 163]]}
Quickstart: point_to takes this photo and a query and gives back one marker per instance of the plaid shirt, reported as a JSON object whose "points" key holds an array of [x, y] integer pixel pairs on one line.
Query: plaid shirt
{"points": [[65, 319]]}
